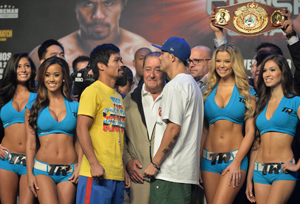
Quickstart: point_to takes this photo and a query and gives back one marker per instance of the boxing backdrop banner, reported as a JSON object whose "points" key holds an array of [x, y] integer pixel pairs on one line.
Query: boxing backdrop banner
{"points": [[81, 25]]}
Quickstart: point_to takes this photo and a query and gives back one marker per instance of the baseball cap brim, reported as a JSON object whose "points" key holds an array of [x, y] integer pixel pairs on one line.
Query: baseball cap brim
{"points": [[158, 47]]}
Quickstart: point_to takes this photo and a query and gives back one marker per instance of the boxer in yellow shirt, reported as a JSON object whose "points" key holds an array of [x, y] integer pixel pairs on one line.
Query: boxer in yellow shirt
{"points": [[100, 129]]}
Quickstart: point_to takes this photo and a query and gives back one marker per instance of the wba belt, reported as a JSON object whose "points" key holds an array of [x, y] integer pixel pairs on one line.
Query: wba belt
{"points": [[249, 18], [54, 168], [16, 158]]}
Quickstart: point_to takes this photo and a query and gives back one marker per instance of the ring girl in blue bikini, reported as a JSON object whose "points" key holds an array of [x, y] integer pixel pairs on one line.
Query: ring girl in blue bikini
{"points": [[16, 90], [229, 103], [50, 127], [277, 116]]}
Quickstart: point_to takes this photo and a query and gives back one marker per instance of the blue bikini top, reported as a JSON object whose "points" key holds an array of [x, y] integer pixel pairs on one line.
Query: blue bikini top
{"points": [[284, 119], [234, 111], [9, 115], [47, 125]]}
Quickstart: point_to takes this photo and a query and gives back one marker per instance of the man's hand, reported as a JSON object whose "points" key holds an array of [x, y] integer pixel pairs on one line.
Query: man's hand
{"points": [[132, 168], [150, 171], [200, 180], [218, 31], [127, 179], [287, 25], [97, 172]]}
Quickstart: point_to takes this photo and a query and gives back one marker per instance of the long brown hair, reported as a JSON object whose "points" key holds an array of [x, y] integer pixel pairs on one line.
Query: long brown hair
{"points": [[8, 83], [42, 99], [264, 92]]}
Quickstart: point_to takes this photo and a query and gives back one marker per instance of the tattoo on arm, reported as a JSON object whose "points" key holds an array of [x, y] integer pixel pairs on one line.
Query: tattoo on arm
{"points": [[171, 144], [32, 149], [165, 151]]}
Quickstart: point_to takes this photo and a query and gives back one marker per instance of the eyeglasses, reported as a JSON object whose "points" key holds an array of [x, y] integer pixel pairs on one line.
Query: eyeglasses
{"points": [[196, 61]]}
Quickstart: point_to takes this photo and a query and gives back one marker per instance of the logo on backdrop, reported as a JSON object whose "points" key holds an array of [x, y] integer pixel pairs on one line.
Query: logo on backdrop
{"points": [[8, 11], [4, 34], [4, 57]]}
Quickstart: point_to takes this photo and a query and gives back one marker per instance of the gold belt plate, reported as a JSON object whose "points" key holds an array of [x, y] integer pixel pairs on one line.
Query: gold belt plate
{"points": [[250, 18]]}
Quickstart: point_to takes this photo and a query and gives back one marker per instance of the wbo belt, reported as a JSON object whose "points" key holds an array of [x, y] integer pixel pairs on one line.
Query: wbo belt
{"points": [[16, 158], [54, 168], [268, 168], [220, 157]]}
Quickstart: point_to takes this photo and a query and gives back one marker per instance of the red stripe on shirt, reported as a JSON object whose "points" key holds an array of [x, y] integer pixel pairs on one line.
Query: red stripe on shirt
{"points": [[88, 190]]}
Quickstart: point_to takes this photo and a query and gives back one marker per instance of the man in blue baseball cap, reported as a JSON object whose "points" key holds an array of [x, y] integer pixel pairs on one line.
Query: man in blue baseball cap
{"points": [[176, 156], [178, 48]]}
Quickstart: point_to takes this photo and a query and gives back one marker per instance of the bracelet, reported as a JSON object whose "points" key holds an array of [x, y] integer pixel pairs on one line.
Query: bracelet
{"points": [[293, 33], [155, 166]]}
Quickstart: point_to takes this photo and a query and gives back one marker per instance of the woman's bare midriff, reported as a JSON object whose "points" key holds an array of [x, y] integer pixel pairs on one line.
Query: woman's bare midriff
{"points": [[15, 138], [223, 136], [275, 147], [57, 149]]}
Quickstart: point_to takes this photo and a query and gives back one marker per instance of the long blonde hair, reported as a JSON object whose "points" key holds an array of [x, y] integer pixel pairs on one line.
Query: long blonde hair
{"points": [[239, 72]]}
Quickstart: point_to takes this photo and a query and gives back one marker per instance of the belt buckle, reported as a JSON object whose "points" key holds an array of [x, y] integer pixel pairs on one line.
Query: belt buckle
{"points": [[12, 158], [265, 166], [17, 159], [58, 169], [270, 168], [225, 156]]}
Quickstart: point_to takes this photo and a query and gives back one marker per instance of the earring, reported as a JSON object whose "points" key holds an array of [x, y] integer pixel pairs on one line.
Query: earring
{"points": [[63, 80]]}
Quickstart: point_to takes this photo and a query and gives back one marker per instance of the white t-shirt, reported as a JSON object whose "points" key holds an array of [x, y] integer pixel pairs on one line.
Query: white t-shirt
{"points": [[150, 107], [181, 104]]}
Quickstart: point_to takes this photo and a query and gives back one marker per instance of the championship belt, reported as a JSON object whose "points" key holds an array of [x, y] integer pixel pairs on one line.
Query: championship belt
{"points": [[249, 18]]}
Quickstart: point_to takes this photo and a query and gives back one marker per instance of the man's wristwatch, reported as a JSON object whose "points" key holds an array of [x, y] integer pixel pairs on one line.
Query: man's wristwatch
{"points": [[155, 166], [293, 33]]}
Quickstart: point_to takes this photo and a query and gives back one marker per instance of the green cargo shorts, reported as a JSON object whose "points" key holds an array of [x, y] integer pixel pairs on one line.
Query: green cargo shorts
{"points": [[166, 192]]}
